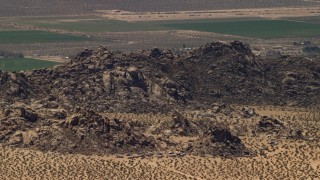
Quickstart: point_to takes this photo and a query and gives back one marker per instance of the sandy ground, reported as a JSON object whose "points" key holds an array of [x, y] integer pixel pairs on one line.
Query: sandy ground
{"points": [[286, 159], [270, 13], [291, 160]]}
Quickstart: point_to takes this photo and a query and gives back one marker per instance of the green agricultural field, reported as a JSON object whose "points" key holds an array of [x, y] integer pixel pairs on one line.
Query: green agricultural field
{"points": [[247, 27], [23, 64], [101, 25], [254, 28], [34, 36], [87, 24], [93, 24], [309, 19]]}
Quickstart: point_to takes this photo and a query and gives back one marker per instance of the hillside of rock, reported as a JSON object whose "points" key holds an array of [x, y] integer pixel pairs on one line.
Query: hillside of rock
{"points": [[63, 108], [161, 80]]}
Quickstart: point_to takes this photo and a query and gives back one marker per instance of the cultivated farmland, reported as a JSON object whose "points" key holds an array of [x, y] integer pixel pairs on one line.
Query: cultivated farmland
{"points": [[247, 27], [22, 64], [86, 24], [32, 36], [257, 28]]}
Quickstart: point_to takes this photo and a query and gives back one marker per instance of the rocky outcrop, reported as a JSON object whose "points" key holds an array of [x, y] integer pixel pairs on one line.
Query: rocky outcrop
{"points": [[86, 132], [223, 136], [179, 125], [159, 80], [64, 108], [13, 85], [267, 124], [219, 141]]}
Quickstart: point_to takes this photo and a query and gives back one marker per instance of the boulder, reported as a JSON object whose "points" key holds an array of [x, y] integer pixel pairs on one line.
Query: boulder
{"points": [[60, 115], [155, 52], [28, 115], [74, 121], [16, 138], [248, 112], [223, 136]]}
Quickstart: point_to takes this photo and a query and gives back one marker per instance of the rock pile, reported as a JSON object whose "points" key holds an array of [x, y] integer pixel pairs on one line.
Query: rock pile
{"points": [[219, 141], [13, 85], [267, 124], [179, 125], [231, 73], [86, 132], [158, 80], [61, 108]]}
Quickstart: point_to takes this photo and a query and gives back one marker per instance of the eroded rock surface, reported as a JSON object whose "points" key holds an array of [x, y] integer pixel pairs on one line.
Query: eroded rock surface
{"points": [[63, 108]]}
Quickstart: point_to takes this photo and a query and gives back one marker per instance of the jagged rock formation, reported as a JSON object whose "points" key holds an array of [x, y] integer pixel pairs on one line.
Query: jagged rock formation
{"points": [[111, 82], [61, 108], [219, 141], [231, 73], [87, 132], [157, 80], [14, 85]]}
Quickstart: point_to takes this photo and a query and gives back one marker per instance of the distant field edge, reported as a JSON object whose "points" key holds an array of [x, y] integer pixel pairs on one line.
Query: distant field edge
{"points": [[254, 28], [36, 36], [24, 64]]}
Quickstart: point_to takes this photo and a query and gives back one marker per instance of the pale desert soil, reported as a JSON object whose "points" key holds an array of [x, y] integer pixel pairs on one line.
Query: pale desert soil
{"points": [[287, 159], [270, 13]]}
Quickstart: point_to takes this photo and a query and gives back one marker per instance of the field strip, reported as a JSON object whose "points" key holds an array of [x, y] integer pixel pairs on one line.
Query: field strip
{"points": [[50, 58], [270, 13]]}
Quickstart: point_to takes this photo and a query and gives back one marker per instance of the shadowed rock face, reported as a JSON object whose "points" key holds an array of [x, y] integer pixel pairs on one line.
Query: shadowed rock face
{"points": [[224, 136], [159, 80], [28, 115]]}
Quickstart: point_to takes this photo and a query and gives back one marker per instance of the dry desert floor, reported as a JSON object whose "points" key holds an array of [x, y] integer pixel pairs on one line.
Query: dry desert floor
{"points": [[285, 159]]}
